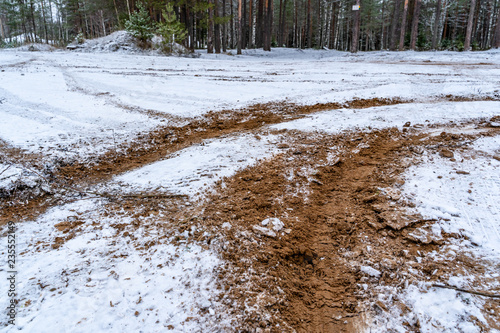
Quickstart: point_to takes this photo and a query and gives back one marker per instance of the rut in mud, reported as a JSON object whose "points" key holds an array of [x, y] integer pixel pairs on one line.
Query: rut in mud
{"points": [[337, 196], [339, 201], [76, 176]]}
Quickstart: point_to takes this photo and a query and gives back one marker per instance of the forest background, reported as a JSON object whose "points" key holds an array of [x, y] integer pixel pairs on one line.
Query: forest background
{"points": [[218, 25]]}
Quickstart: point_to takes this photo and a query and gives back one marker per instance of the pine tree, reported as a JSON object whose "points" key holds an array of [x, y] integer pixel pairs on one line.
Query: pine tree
{"points": [[171, 30], [139, 25]]}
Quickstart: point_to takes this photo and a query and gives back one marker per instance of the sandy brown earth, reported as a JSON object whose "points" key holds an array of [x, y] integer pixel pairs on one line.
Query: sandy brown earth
{"points": [[75, 176], [337, 195], [345, 214]]}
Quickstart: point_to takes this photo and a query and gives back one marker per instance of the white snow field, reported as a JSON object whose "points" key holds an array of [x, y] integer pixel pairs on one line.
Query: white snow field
{"points": [[464, 203], [99, 280], [83, 103], [197, 168], [73, 105]]}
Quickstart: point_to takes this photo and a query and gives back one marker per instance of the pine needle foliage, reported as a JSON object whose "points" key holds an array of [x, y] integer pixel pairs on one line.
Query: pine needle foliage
{"points": [[170, 29], [140, 25]]}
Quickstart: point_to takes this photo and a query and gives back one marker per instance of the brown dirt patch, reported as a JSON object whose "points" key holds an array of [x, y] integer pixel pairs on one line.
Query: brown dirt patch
{"points": [[73, 177], [338, 218], [166, 140]]}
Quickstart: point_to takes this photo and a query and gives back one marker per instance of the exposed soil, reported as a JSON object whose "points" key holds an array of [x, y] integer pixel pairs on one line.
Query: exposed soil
{"points": [[74, 176], [337, 195], [342, 214]]}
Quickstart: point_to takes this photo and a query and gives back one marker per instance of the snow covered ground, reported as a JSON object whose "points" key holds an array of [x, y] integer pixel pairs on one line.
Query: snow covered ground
{"points": [[62, 101], [197, 168], [336, 121], [74, 105], [462, 196], [103, 280]]}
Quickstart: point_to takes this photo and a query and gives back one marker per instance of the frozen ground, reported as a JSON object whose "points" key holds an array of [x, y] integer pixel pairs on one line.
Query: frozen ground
{"points": [[392, 116], [197, 168], [101, 280], [63, 101], [74, 105], [462, 197]]}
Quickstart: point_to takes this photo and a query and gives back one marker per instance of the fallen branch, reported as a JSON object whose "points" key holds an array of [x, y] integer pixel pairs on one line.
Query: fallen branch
{"points": [[466, 291], [7, 168], [143, 196]]}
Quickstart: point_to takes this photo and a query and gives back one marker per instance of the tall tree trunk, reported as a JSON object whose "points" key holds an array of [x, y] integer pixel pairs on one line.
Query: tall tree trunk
{"points": [[128, 8], [470, 20], [224, 37], [217, 27], [403, 27], [280, 24], [32, 14], [331, 43], [394, 24], [259, 24], [250, 23], [414, 25], [382, 34], [496, 43], [232, 24], [117, 15], [270, 26], [210, 37], [309, 25], [486, 26], [44, 22], [52, 23], [296, 24], [355, 27], [103, 23], [284, 34], [190, 25], [437, 20], [22, 14], [455, 26], [245, 25], [445, 22], [319, 30], [268, 16], [240, 37], [2, 31]]}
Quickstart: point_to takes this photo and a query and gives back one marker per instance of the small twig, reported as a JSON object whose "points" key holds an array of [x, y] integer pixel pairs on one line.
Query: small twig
{"points": [[7, 168], [143, 196], [467, 291], [7, 177]]}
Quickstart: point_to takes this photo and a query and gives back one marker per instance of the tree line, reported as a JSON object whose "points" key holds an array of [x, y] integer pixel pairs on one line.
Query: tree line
{"points": [[218, 25]]}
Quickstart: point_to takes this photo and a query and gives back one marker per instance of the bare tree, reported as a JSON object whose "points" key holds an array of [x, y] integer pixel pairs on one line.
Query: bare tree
{"points": [[414, 25], [403, 27], [470, 20], [355, 26]]}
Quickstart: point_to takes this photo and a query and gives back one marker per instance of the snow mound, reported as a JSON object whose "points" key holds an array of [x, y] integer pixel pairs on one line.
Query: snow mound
{"points": [[123, 42], [117, 41]]}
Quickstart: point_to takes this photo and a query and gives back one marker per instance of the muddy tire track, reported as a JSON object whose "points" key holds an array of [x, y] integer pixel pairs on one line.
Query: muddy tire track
{"points": [[166, 140], [308, 278]]}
